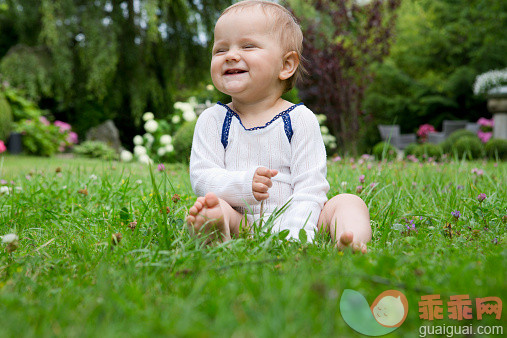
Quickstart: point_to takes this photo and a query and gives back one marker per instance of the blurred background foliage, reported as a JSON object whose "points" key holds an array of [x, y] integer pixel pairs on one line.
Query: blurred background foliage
{"points": [[88, 61], [408, 62], [439, 48]]}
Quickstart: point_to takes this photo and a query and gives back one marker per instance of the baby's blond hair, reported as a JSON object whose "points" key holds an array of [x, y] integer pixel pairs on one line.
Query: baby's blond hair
{"points": [[286, 25]]}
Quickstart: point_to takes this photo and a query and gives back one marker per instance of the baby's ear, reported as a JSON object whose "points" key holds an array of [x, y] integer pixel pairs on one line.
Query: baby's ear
{"points": [[290, 64]]}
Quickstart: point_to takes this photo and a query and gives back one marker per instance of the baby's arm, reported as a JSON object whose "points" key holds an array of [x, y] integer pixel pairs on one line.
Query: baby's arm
{"points": [[207, 167], [308, 172]]}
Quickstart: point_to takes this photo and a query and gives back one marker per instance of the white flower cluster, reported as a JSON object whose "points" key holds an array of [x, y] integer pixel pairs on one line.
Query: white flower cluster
{"points": [[489, 80], [329, 140], [188, 109], [143, 144]]}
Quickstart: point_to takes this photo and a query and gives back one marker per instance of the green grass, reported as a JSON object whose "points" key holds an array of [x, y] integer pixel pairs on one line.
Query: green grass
{"points": [[67, 279]]}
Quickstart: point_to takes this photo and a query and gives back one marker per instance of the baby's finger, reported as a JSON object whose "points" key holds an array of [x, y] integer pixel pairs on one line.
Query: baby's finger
{"points": [[262, 171], [260, 187], [263, 180], [260, 197], [273, 172]]}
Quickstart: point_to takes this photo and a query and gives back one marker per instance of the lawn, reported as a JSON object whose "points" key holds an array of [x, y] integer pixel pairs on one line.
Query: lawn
{"points": [[69, 277]]}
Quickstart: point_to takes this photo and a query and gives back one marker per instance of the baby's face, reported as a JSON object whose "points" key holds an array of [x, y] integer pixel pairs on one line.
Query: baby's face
{"points": [[247, 55]]}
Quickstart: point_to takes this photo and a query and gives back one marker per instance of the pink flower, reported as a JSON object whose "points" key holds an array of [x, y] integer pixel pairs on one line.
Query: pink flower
{"points": [[72, 138], [481, 197], [2, 147], [359, 189], [161, 167], [424, 130], [484, 136], [478, 172], [44, 121], [63, 126], [485, 122], [336, 159], [361, 179]]}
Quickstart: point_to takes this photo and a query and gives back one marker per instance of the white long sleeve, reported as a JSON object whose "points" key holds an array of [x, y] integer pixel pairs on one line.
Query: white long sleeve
{"points": [[308, 176], [228, 172], [207, 168]]}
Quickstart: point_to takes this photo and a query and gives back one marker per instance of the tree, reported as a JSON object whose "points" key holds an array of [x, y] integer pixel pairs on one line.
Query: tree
{"points": [[440, 47], [107, 58], [342, 38]]}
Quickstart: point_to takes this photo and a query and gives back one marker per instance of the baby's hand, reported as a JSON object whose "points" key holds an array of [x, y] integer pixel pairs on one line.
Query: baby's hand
{"points": [[262, 182]]}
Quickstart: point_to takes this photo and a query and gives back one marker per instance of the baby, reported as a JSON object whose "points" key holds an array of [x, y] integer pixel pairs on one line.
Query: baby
{"points": [[261, 148]]}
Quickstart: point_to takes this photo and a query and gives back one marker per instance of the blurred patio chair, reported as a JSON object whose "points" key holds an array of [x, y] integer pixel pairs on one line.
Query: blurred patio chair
{"points": [[392, 134], [448, 127]]}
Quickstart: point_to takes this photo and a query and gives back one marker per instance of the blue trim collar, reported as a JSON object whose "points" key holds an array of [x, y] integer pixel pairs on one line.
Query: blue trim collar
{"points": [[286, 111]]}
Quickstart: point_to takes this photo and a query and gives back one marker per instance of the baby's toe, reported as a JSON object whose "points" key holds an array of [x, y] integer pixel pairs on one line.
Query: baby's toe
{"points": [[193, 211], [211, 200], [346, 238]]}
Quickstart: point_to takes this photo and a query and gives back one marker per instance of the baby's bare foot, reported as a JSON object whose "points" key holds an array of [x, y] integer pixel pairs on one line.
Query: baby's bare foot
{"points": [[207, 217], [346, 240]]}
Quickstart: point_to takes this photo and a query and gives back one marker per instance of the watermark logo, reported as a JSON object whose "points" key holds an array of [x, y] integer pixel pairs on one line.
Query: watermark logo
{"points": [[387, 312]]}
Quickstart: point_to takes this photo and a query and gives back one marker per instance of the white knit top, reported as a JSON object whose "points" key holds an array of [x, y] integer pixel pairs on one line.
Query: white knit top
{"points": [[228, 172]]}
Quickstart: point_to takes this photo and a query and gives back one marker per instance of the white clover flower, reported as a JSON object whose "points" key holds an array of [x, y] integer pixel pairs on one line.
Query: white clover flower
{"points": [[189, 115], [169, 148], [126, 156], [148, 116], [324, 130], [4, 190], [176, 119], [140, 150], [145, 159], [93, 177], [166, 139], [210, 87], [138, 140], [192, 101], [9, 238], [151, 126], [139, 182], [161, 151]]}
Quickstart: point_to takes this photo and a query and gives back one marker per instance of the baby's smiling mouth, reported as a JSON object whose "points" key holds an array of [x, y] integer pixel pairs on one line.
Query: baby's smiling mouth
{"points": [[234, 71]]}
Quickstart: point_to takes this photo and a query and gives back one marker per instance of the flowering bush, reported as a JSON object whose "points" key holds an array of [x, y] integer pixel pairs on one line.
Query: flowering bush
{"points": [[2, 147], [41, 137], [485, 129], [424, 130], [489, 80], [329, 140], [154, 145]]}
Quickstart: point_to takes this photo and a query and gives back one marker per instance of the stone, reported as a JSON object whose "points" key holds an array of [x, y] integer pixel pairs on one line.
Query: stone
{"points": [[497, 105], [106, 133]]}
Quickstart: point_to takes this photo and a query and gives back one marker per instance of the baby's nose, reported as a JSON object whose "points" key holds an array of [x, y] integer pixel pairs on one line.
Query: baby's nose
{"points": [[232, 55]]}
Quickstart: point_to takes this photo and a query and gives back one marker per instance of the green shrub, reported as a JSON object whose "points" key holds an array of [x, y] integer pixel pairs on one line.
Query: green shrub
{"points": [[182, 141], [384, 150], [95, 149], [449, 143], [427, 150], [5, 118], [410, 149], [496, 149], [40, 138], [469, 147]]}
